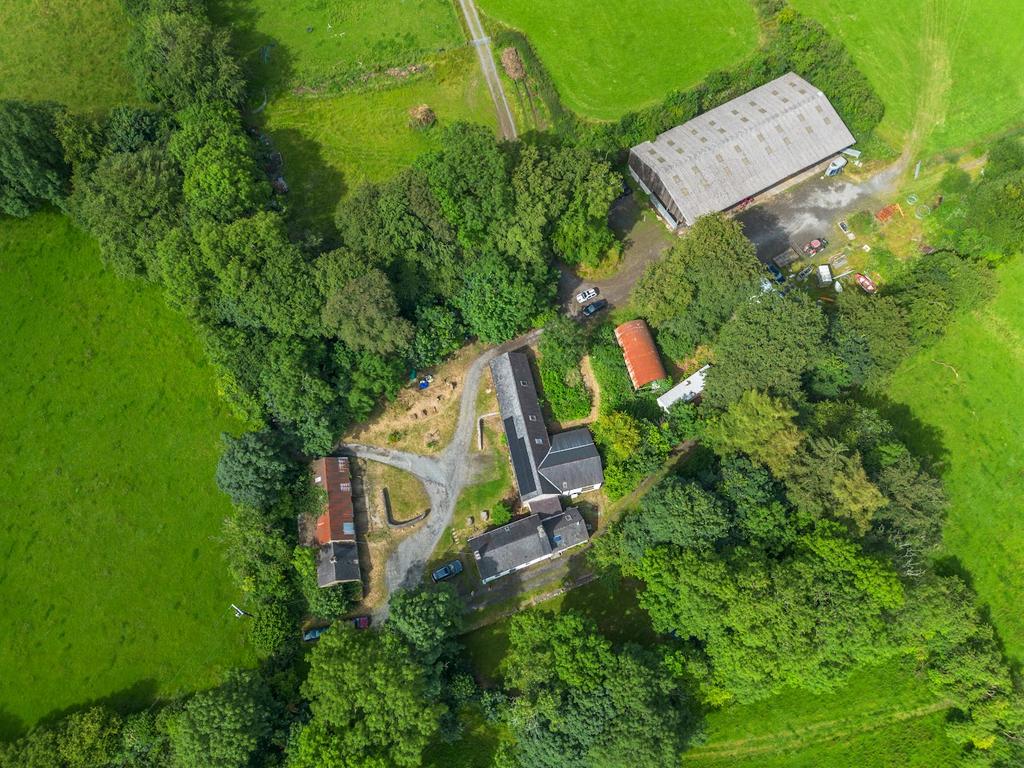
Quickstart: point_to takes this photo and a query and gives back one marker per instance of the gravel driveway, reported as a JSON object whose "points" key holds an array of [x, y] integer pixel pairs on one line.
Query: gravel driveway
{"points": [[444, 476]]}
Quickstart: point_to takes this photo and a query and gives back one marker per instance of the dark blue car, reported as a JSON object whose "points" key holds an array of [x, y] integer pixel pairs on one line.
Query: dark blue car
{"points": [[776, 273], [454, 568]]}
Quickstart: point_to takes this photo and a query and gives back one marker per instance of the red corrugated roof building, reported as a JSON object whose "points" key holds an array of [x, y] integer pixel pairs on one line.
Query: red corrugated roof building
{"points": [[337, 523], [642, 359]]}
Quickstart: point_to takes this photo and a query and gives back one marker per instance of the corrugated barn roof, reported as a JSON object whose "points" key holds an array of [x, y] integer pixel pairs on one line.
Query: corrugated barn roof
{"points": [[741, 148], [642, 359]]}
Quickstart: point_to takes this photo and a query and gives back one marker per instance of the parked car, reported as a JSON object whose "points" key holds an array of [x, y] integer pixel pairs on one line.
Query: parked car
{"points": [[584, 296], [448, 571], [866, 283], [592, 309], [313, 634], [361, 622], [815, 246], [776, 273], [845, 227]]}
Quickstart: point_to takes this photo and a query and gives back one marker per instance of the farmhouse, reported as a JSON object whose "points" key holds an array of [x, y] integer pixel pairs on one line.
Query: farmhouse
{"points": [[526, 541], [337, 559], [685, 391], [641, 356], [738, 150], [545, 467]]}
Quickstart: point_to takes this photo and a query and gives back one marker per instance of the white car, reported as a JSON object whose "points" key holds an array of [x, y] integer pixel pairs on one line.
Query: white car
{"points": [[584, 296]]}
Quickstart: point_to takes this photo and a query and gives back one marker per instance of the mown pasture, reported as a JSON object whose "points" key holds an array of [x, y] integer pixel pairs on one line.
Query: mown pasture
{"points": [[616, 56], [965, 391], [947, 70], [69, 52], [113, 586]]}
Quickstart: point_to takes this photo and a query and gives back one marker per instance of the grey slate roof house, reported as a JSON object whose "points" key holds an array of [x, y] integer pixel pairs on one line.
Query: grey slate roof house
{"points": [[545, 467], [526, 541], [337, 562], [739, 149]]}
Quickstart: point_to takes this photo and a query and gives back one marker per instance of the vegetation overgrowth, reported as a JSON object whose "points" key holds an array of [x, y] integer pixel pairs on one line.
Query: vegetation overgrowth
{"points": [[110, 518], [611, 58]]}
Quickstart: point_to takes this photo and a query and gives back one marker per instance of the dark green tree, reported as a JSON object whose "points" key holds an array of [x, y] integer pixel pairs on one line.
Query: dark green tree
{"points": [[252, 469], [369, 703], [768, 345], [689, 293], [363, 313], [225, 726], [428, 620], [32, 166], [496, 301], [90, 739], [439, 333], [129, 203], [581, 703], [179, 58]]}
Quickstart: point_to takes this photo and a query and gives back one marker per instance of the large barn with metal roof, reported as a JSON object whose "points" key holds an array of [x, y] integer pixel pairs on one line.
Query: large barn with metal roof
{"points": [[738, 150]]}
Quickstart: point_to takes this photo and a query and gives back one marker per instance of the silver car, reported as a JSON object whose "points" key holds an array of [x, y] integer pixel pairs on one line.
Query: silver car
{"points": [[584, 296]]}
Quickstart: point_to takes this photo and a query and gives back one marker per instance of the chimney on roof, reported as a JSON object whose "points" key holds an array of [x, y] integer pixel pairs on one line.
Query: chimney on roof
{"points": [[334, 559], [476, 554]]}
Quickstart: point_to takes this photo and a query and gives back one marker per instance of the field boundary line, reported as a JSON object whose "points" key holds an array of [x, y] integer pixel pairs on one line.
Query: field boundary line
{"points": [[801, 738]]}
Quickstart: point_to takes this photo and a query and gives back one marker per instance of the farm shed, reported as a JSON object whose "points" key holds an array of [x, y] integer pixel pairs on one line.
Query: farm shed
{"points": [[738, 150], [526, 541], [545, 467], [337, 555], [642, 359], [687, 390]]}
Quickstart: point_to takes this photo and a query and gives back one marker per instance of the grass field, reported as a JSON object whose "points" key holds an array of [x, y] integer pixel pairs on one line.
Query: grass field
{"points": [[615, 56], [947, 70], [70, 52], [333, 144], [324, 44], [113, 586], [976, 410], [883, 718]]}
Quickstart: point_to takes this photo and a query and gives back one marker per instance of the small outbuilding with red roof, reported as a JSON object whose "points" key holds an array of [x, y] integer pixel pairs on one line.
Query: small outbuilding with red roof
{"points": [[642, 359]]}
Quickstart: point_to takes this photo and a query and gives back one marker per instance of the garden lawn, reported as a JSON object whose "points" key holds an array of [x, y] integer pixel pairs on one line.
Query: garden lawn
{"points": [[616, 56], [66, 51], [333, 144], [977, 412], [948, 71], [113, 584]]}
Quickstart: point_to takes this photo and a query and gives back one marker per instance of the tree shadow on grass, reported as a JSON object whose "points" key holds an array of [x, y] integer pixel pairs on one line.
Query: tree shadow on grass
{"points": [[268, 66], [11, 726], [924, 440], [315, 188]]}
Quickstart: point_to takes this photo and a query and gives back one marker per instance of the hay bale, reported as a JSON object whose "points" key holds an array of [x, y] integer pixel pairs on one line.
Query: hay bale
{"points": [[421, 117]]}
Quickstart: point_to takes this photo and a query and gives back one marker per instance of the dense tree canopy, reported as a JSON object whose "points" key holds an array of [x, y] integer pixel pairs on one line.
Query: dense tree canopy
{"points": [[694, 288], [581, 703], [32, 166], [368, 701]]}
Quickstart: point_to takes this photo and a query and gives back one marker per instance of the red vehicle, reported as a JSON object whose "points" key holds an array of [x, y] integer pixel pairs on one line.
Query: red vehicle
{"points": [[361, 622], [816, 246], [866, 283]]}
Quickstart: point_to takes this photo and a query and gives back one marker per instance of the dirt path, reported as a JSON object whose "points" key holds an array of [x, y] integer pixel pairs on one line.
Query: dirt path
{"points": [[799, 738], [482, 43], [444, 477]]}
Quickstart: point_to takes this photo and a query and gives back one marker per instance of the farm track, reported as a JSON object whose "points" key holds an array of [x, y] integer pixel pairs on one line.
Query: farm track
{"points": [[482, 43], [805, 736]]}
